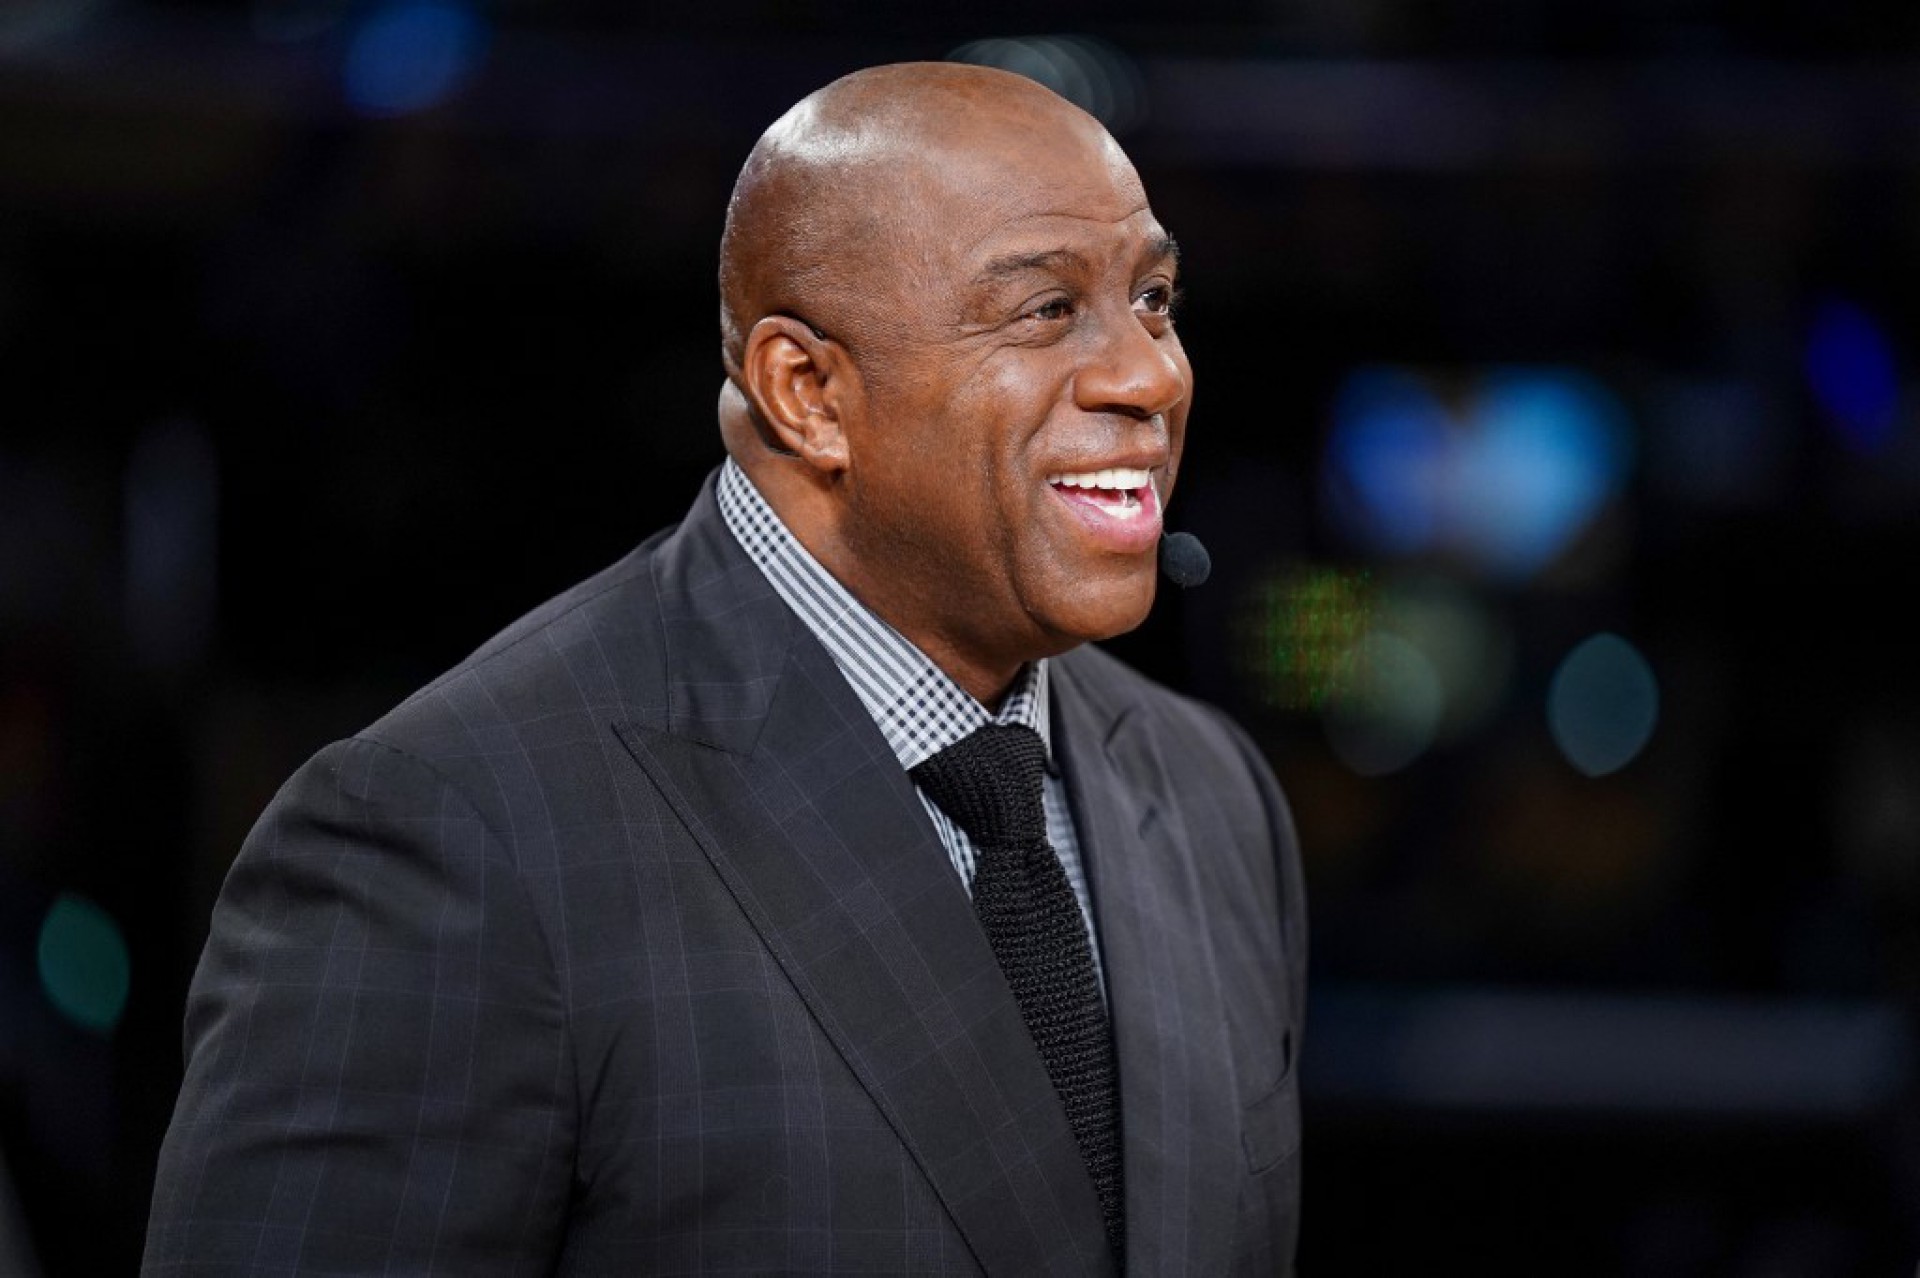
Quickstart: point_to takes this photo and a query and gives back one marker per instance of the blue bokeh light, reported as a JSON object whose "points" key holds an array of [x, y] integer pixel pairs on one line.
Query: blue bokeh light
{"points": [[411, 55], [1503, 476], [1386, 459], [1853, 375], [1553, 447]]}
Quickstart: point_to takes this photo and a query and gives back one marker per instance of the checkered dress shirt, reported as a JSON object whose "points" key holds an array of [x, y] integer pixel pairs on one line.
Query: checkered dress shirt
{"points": [[916, 706]]}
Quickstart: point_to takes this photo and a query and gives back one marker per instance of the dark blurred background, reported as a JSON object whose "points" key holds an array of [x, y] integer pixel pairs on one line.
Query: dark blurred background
{"points": [[1556, 444]]}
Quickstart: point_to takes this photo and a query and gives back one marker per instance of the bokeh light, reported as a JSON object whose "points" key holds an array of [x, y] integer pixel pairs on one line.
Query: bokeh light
{"points": [[1602, 705], [1392, 666], [1470, 647], [84, 967], [411, 55], [1391, 712], [1092, 74], [1296, 632], [1501, 472], [1386, 460], [1853, 376]]}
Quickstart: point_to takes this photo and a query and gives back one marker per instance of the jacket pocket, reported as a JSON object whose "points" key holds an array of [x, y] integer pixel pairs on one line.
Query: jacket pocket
{"points": [[1270, 1126]]}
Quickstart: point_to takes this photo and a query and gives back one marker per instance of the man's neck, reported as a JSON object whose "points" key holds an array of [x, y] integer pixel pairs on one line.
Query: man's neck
{"points": [[798, 509]]}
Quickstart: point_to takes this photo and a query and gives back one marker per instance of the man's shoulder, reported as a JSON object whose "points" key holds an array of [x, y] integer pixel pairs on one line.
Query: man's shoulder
{"points": [[603, 648], [612, 604], [595, 649]]}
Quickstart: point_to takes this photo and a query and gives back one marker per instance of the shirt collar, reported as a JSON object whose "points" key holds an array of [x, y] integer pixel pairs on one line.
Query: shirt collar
{"points": [[917, 707]]}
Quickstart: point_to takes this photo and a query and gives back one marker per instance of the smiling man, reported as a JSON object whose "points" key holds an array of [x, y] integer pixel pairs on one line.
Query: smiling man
{"points": [[801, 895]]}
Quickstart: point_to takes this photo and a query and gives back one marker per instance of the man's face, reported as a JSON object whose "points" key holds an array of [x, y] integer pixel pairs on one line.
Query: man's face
{"points": [[1022, 401]]}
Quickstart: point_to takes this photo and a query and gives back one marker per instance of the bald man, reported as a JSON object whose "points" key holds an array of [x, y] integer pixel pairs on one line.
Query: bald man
{"points": [[801, 894]]}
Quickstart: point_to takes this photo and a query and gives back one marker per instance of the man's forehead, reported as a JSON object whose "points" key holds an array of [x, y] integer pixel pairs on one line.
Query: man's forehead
{"points": [[1013, 195], [1062, 165]]}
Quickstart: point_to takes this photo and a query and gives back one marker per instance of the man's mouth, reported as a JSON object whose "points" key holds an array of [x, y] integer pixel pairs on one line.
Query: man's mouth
{"points": [[1118, 508], [1120, 492]]}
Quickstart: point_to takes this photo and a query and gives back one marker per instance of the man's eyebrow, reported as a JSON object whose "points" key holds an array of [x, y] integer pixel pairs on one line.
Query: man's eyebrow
{"points": [[1161, 248], [1011, 264]]}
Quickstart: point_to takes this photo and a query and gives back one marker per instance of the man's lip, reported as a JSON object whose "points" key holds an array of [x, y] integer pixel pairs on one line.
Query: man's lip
{"points": [[1120, 534], [1155, 464]]}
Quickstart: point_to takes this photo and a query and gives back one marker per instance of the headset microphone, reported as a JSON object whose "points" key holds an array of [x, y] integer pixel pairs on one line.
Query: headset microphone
{"points": [[1184, 560]]}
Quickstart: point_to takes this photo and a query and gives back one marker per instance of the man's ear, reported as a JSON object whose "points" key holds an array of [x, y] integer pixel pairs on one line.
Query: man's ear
{"points": [[797, 381]]}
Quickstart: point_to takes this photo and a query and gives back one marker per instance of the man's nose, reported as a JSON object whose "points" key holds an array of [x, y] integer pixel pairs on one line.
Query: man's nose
{"points": [[1132, 372]]}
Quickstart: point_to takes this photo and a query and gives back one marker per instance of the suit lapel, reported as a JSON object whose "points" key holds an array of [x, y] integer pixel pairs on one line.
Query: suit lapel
{"points": [[1181, 1125], [777, 771]]}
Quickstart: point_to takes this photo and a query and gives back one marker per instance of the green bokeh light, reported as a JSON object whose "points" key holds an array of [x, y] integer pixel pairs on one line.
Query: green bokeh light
{"points": [[1296, 635], [84, 967]]}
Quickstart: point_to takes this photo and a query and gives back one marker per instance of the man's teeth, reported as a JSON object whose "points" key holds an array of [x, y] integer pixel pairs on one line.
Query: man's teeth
{"points": [[1121, 477], [1120, 488]]}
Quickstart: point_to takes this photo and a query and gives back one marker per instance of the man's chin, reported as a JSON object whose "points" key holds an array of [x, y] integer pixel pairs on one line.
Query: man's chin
{"points": [[1095, 611]]}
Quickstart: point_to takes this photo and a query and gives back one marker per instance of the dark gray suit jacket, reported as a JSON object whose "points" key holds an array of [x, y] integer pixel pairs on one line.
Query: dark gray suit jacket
{"points": [[626, 947]]}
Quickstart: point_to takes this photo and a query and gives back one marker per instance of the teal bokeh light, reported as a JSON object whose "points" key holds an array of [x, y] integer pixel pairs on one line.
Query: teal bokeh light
{"points": [[84, 967], [1602, 705]]}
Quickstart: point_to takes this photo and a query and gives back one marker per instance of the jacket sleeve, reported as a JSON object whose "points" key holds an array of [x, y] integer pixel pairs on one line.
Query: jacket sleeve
{"points": [[377, 1076]]}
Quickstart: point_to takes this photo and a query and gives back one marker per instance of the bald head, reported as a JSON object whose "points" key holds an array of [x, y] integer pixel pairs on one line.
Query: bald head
{"points": [[839, 191]]}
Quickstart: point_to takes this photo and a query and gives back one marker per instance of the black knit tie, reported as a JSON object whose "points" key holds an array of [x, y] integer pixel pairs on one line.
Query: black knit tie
{"points": [[990, 783]]}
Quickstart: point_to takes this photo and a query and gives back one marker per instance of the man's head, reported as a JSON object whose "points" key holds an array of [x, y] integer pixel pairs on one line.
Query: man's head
{"points": [[951, 364]]}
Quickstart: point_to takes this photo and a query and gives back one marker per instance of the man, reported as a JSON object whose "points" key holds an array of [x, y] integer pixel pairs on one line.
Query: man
{"points": [[646, 940]]}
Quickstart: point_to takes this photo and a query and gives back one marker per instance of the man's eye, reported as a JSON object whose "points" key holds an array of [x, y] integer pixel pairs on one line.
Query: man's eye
{"points": [[1161, 299], [1058, 309]]}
